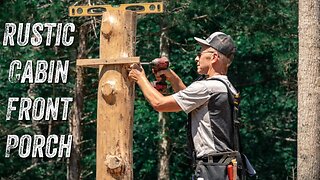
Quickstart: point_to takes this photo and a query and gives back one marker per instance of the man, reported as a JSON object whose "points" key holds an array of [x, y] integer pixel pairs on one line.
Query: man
{"points": [[206, 100]]}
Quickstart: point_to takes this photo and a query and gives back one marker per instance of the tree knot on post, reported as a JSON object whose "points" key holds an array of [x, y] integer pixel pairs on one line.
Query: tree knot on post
{"points": [[108, 91], [115, 165], [107, 35]]}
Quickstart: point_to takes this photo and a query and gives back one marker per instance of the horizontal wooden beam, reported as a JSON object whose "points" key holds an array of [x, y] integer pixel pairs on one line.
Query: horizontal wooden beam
{"points": [[95, 63]]}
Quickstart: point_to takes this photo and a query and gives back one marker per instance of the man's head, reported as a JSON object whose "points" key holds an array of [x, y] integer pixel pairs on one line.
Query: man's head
{"points": [[217, 50]]}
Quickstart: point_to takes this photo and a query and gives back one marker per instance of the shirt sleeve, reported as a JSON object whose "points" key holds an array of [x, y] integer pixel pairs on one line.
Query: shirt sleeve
{"points": [[192, 97]]}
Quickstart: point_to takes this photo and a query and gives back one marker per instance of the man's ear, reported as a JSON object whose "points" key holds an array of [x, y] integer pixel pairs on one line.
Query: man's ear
{"points": [[214, 57]]}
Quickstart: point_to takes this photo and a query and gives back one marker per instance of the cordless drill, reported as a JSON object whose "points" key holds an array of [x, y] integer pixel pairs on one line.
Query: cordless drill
{"points": [[157, 65]]}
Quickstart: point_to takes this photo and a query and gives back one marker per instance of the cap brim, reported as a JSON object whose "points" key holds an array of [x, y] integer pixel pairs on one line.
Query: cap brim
{"points": [[201, 41]]}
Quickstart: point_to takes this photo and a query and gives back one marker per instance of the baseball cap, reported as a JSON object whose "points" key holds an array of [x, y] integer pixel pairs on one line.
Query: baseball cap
{"points": [[219, 41]]}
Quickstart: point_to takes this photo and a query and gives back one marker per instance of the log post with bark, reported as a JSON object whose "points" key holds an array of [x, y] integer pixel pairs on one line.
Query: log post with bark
{"points": [[309, 90]]}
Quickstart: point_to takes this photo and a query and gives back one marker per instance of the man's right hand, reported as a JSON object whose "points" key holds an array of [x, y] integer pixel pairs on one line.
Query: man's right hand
{"points": [[167, 72], [173, 78]]}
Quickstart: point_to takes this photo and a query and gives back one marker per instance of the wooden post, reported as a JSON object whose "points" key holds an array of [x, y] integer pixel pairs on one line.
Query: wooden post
{"points": [[115, 97], [115, 91]]}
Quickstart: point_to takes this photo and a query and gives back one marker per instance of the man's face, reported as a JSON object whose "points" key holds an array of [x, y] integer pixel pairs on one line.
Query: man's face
{"points": [[204, 59]]}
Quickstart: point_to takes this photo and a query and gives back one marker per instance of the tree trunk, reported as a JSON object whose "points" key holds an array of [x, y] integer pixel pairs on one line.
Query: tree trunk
{"points": [[74, 168], [164, 156], [309, 90], [164, 144], [35, 124]]}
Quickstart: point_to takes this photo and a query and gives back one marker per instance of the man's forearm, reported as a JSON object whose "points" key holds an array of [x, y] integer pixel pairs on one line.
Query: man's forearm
{"points": [[159, 102], [149, 92]]}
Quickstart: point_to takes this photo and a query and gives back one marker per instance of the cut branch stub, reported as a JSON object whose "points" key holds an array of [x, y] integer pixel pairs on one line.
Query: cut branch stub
{"points": [[115, 165], [108, 91]]}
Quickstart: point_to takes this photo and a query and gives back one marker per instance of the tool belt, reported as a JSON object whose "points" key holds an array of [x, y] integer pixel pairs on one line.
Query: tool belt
{"points": [[223, 166], [220, 158], [219, 166]]}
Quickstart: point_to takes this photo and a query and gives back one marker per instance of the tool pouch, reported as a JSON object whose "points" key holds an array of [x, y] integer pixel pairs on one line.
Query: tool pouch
{"points": [[216, 168], [210, 171]]}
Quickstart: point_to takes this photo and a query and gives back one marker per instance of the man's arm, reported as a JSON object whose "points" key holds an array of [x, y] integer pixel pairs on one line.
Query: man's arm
{"points": [[159, 102], [173, 78]]}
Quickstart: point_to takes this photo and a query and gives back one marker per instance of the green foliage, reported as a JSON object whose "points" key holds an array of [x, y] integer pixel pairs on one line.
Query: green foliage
{"points": [[264, 70], [16, 167]]}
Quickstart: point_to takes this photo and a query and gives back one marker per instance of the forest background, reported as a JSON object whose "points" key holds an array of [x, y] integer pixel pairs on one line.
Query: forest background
{"points": [[264, 71]]}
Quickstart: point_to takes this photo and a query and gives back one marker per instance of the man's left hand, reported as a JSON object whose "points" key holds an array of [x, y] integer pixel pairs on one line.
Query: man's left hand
{"points": [[137, 72]]}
